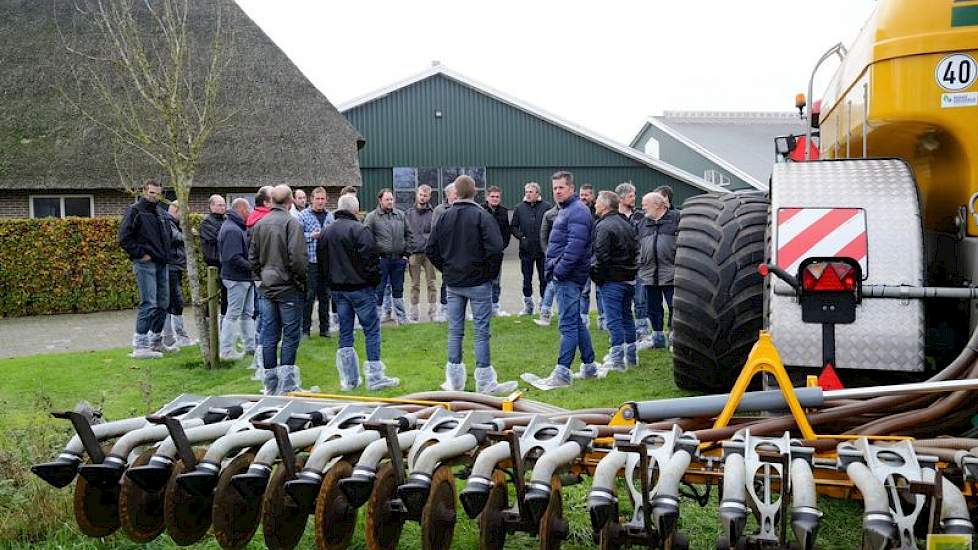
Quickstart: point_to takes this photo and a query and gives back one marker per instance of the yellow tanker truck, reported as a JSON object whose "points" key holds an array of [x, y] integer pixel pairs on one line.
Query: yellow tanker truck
{"points": [[884, 221]]}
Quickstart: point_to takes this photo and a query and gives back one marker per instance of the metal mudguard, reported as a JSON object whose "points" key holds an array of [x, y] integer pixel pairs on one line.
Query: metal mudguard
{"points": [[888, 333]]}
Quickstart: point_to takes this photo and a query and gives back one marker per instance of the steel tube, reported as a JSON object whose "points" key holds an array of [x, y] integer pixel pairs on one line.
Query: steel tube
{"points": [[601, 499], [839, 50], [955, 517], [712, 405], [224, 446], [268, 453], [900, 292], [968, 384], [377, 451], [548, 463], [487, 460]]}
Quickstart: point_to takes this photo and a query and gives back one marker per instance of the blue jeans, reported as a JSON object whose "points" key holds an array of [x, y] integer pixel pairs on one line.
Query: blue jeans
{"points": [[316, 289], [391, 272], [481, 298], [154, 296], [653, 303], [363, 304], [617, 298], [548, 295], [281, 319], [573, 333], [241, 309], [641, 312], [496, 287]]}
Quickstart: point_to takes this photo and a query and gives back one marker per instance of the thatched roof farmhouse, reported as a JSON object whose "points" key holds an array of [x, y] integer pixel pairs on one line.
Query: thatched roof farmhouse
{"points": [[285, 129]]}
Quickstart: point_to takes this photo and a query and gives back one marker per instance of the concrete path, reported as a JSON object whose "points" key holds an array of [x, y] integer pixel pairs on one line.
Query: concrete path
{"points": [[23, 336]]}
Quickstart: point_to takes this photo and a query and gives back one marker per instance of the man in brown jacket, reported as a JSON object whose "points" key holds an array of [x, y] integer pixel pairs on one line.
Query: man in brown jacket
{"points": [[278, 259]]}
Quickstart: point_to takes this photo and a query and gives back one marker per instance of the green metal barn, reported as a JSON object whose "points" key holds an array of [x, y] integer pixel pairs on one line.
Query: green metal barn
{"points": [[438, 124]]}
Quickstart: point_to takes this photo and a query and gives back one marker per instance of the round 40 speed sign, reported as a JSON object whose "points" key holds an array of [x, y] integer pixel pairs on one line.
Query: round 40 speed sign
{"points": [[956, 72]]}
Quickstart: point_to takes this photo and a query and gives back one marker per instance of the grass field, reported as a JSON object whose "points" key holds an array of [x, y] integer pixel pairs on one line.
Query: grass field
{"points": [[32, 515]]}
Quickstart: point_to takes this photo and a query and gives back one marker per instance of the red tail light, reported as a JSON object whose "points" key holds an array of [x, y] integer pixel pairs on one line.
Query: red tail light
{"points": [[829, 277]]}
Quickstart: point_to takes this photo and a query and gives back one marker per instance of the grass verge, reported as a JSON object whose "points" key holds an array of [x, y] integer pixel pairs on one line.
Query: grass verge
{"points": [[33, 515]]}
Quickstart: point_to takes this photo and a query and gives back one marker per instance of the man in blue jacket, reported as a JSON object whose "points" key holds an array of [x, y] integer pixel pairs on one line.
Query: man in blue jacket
{"points": [[232, 245], [568, 262]]}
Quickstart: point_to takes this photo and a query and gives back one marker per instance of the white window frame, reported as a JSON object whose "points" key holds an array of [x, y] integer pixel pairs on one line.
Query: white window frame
{"points": [[716, 177], [91, 203]]}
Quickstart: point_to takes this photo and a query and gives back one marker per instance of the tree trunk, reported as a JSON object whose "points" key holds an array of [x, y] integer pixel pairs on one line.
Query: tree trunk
{"points": [[182, 187]]}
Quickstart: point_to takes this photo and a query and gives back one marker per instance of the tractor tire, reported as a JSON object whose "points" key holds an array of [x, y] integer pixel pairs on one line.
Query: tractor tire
{"points": [[718, 302]]}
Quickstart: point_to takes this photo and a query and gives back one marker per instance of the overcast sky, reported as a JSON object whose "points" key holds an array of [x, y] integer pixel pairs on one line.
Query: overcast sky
{"points": [[603, 64]]}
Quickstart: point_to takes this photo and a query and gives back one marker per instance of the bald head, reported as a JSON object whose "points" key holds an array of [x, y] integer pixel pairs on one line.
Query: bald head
{"points": [[282, 195], [241, 206]]}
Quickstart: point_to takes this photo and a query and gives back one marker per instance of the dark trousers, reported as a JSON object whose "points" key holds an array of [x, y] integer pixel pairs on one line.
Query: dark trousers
{"points": [[391, 272], [526, 266], [175, 278], [316, 289], [653, 303]]}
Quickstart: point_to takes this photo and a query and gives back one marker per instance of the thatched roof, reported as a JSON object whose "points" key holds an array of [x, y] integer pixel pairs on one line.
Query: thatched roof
{"points": [[285, 130]]}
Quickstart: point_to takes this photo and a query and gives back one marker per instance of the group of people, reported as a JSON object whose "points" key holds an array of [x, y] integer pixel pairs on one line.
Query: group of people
{"points": [[627, 254], [281, 257]]}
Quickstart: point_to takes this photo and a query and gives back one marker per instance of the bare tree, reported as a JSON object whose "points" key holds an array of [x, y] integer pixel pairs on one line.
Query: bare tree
{"points": [[155, 89]]}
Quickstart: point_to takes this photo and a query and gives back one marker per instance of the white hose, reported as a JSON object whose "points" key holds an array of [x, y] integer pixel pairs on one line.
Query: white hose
{"points": [[874, 495], [606, 472], [269, 452], [954, 509], [377, 451], [105, 431], [150, 434], [548, 463], [802, 484], [224, 446], [207, 432], [487, 460], [432, 456], [326, 451]]}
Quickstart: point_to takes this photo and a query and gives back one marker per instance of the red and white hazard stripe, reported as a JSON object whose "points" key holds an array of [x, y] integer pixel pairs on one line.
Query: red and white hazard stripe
{"points": [[811, 232]]}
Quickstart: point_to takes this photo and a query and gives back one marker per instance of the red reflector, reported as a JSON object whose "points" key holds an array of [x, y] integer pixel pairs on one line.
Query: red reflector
{"points": [[763, 270], [829, 277]]}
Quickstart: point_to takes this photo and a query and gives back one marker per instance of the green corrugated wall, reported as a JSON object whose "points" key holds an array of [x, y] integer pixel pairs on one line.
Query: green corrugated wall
{"points": [[402, 129]]}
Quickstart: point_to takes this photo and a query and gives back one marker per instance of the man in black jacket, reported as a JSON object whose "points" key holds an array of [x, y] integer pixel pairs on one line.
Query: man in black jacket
{"points": [[527, 219], [210, 227], [237, 280], [613, 270], [350, 265], [144, 234], [494, 205], [466, 247]]}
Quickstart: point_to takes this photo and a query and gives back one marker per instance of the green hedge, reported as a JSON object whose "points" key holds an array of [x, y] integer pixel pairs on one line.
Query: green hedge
{"points": [[72, 265]]}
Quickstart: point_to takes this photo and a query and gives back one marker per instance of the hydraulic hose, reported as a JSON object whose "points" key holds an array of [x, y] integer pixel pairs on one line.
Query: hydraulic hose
{"points": [[476, 492], [805, 516], [879, 530], [733, 507], [601, 499], [665, 503]]}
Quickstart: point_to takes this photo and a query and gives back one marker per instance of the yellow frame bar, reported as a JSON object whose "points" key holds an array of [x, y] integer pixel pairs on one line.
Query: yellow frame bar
{"points": [[367, 399], [764, 357]]}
